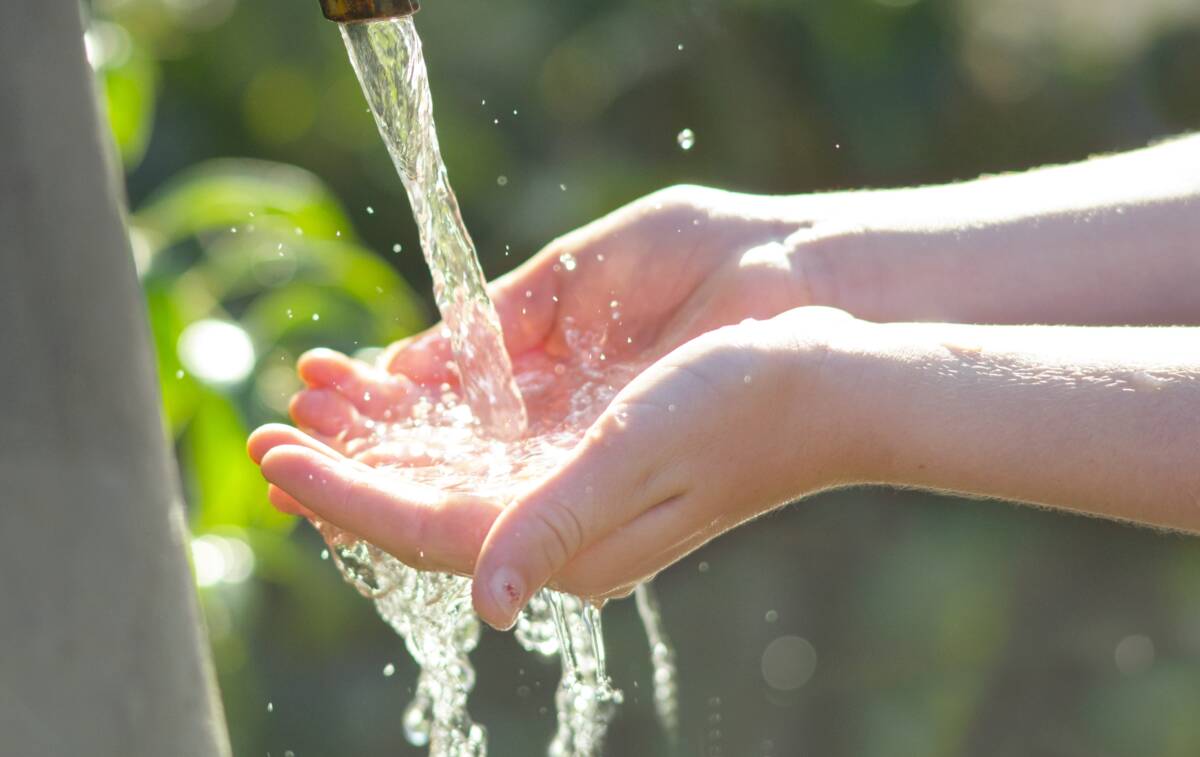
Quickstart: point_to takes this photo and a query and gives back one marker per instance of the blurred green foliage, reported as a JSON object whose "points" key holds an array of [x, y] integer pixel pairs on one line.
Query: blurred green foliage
{"points": [[941, 627]]}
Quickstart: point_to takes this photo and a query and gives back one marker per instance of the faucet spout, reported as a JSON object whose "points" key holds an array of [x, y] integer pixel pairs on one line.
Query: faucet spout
{"points": [[348, 11]]}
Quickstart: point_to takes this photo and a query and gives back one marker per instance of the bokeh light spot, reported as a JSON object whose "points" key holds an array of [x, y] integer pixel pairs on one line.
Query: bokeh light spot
{"points": [[788, 662]]}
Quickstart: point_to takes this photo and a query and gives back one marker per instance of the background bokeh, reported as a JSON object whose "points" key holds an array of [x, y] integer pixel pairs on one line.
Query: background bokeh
{"points": [[266, 220]]}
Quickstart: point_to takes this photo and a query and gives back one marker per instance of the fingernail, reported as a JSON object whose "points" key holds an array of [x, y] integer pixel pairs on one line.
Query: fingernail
{"points": [[508, 594]]}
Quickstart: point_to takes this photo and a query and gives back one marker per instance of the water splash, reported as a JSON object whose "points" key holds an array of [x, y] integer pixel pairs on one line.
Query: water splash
{"points": [[485, 445]]}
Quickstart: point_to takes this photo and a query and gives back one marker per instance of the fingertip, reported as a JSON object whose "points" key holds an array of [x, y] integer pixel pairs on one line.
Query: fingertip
{"points": [[322, 366], [498, 597], [286, 503], [264, 438], [287, 465], [423, 358]]}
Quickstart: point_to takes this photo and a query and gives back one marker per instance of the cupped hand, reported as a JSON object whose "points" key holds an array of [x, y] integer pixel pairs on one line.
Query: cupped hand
{"points": [[641, 281], [695, 443]]}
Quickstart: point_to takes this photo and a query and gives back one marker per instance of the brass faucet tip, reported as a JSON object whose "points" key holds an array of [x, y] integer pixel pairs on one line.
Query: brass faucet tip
{"points": [[348, 11]]}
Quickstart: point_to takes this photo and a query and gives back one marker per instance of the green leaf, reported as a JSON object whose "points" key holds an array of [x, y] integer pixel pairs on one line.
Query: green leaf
{"points": [[226, 487], [221, 194], [130, 93]]}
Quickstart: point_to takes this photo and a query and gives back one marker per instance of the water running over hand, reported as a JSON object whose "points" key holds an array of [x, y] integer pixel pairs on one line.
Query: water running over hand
{"points": [[391, 67], [483, 442]]}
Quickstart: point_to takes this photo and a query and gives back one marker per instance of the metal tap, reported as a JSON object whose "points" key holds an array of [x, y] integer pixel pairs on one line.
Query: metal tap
{"points": [[349, 11]]}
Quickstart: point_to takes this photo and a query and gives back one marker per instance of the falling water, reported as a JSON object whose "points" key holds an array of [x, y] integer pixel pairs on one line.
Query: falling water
{"points": [[387, 57], [483, 435]]}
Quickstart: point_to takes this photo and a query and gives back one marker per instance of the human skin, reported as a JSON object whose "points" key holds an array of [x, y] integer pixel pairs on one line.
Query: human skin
{"points": [[800, 399]]}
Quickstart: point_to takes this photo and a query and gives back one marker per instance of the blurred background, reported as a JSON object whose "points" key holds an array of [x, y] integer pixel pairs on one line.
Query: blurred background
{"points": [[267, 219]]}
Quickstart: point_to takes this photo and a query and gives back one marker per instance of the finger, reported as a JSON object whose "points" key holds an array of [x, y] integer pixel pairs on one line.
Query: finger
{"points": [[277, 435], [417, 524], [286, 503], [328, 413], [406, 454], [266, 438], [425, 358], [374, 393], [623, 465], [526, 300]]}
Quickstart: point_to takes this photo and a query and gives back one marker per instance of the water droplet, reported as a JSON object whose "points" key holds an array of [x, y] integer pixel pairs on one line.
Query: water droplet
{"points": [[397, 247], [316, 316], [270, 707], [179, 373], [389, 670], [232, 229], [289, 313], [483, 102], [686, 139], [702, 567], [514, 111], [502, 180], [568, 261], [366, 396], [528, 294], [338, 233], [560, 369], [370, 210], [324, 554], [496, 121], [672, 408], [746, 379], [679, 47], [771, 616], [299, 231], [563, 187]]}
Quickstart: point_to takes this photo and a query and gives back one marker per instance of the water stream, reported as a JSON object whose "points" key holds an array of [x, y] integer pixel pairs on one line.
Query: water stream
{"points": [[487, 444]]}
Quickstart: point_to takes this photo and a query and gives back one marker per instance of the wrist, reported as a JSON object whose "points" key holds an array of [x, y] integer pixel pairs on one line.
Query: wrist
{"points": [[825, 377], [890, 382]]}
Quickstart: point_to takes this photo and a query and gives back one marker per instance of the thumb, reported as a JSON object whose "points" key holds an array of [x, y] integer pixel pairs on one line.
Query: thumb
{"points": [[526, 302], [622, 467]]}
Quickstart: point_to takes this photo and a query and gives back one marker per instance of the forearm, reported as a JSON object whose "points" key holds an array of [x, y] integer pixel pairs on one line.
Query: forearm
{"points": [[1101, 421], [1114, 240]]}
